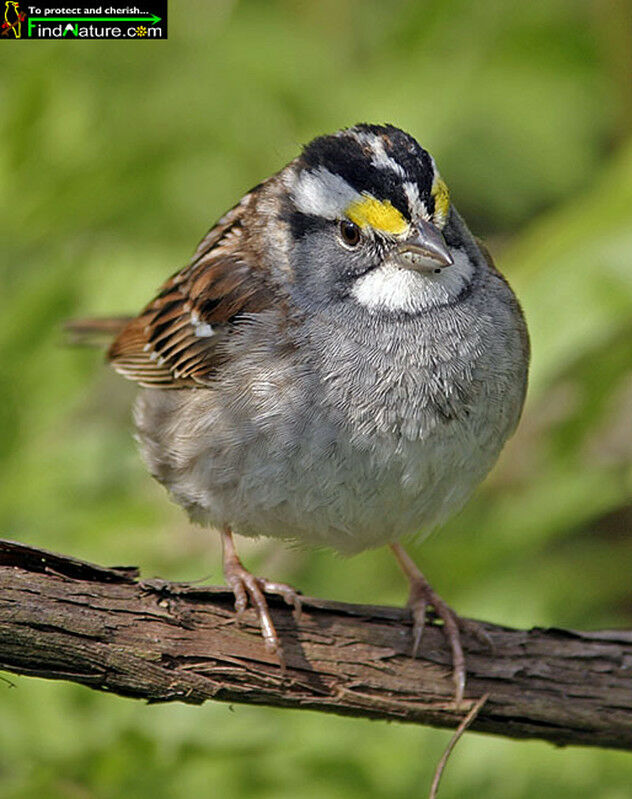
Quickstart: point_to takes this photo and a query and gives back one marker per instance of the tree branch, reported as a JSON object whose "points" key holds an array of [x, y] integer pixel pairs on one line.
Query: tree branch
{"points": [[62, 618]]}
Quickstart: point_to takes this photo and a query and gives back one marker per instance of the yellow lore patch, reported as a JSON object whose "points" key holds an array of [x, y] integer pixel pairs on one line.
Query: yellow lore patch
{"points": [[442, 200], [378, 214]]}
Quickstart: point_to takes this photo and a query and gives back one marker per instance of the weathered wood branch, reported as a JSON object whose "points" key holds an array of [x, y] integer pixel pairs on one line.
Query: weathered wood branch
{"points": [[62, 618]]}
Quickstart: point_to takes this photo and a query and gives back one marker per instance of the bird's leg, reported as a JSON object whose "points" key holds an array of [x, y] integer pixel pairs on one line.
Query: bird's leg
{"points": [[421, 595], [245, 585]]}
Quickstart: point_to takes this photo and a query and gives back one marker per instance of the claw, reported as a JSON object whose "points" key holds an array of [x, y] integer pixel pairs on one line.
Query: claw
{"points": [[422, 595], [419, 622], [245, 586]]}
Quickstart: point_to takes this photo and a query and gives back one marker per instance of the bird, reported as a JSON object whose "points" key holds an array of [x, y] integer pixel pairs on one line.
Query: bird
{"points": [[13, 19], [339, 365]]}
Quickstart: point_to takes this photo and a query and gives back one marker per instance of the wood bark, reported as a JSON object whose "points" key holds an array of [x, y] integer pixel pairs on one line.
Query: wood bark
{"points": [[63, 618]]}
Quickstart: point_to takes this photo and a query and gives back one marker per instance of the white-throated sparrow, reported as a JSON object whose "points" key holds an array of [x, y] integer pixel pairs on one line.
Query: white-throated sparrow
{"points": [[339, 364]]}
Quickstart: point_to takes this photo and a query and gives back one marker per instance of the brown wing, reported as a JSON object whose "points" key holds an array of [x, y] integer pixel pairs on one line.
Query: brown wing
{"points": [[173, 343]]}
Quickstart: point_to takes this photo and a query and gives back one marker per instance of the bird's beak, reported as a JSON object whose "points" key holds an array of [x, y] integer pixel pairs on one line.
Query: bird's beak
{"points": [[425, 251]]}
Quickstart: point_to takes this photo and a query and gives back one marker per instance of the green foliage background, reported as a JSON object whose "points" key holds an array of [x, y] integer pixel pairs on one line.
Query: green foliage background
{"points": [[116, 157]]}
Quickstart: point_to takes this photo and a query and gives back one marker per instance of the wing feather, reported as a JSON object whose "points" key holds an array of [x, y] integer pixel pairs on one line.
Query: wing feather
{"points": [[173, 343]]}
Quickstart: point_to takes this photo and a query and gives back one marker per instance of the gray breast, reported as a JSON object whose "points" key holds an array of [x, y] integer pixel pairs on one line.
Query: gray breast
{"points": [[357, 435]]}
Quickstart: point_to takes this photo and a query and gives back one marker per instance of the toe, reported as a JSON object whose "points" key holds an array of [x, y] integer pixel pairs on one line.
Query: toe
{"points": [[241, 597], [476, 630], [421, 597], [418, 609], [260, 604], [290, 595], [451, 630]]}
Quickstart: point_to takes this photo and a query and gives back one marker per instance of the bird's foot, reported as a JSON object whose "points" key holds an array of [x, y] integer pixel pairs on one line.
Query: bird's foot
{"points": [[421, 597], [248, 588]]}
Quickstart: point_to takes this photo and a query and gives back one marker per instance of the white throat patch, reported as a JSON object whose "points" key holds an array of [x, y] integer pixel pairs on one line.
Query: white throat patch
{"points": [[391, 288]]}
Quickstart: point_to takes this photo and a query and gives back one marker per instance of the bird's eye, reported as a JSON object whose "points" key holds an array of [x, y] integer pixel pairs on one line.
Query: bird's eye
{"points": [[349, 232]]}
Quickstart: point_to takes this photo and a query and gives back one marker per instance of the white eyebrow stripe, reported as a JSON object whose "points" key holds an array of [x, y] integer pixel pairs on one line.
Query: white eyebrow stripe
{"points": [[415, 203], [380, 159], [322, 193]]}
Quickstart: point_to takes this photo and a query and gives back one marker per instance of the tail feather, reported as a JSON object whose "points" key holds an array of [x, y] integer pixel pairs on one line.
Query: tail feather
{"points": [[94, 332]]}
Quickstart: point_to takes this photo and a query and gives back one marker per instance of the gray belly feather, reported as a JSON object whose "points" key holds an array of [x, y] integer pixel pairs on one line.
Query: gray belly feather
{"points": [[355, 442]]}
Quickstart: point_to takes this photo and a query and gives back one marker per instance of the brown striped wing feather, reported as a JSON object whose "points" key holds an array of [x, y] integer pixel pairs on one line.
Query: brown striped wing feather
{"points": [[173, 343]]}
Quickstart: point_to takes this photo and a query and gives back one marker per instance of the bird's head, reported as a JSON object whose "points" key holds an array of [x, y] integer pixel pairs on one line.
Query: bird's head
{"points": [[367, 211]]}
